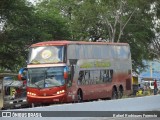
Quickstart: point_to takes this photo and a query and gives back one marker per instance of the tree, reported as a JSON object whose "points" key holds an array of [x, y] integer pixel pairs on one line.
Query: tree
{"points": [[15, 16], [154, 12], [114, 20], [24, 25]]}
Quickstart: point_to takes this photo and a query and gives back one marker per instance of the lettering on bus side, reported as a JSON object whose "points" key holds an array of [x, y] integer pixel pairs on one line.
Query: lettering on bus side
{"points": [[102, 64], [96, 64], [86, 65]]}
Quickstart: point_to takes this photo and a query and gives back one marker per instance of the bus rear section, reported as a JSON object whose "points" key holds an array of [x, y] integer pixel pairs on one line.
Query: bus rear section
{"points": [[99, 70]]}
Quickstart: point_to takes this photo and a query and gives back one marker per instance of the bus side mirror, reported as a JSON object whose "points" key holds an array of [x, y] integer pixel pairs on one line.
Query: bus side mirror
{"points": [[21, 77], [65, 75], [22, 74]]}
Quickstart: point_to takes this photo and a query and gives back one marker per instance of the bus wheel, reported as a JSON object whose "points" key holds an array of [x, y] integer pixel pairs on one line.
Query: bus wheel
{"points": [[3, 108], [120, 94], [114, 94], [79, 96]]}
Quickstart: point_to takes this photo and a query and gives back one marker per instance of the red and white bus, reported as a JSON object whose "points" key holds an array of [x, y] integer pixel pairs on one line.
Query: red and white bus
{"points": [[74, 71]]}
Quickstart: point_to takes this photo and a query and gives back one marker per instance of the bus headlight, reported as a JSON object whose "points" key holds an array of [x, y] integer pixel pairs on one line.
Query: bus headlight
{"points": [[30, 93], [61, 91]]}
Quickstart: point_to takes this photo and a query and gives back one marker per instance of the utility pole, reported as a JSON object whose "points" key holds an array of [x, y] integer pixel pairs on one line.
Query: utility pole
{"points": [[151, 69]]}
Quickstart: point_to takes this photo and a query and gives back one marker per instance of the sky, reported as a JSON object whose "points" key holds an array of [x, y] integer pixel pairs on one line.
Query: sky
{"points": [[33, 1], [155, 72]]}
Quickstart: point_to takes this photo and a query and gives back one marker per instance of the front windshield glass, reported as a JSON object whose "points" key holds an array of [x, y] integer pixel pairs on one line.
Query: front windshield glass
{"points": [[46, 54], [45, 77]]}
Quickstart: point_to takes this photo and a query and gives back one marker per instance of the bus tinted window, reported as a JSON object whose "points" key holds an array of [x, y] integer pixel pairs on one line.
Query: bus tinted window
{"points": [[98, 52], [94, 77], [46, 54], [122, 52], [45, 77]]}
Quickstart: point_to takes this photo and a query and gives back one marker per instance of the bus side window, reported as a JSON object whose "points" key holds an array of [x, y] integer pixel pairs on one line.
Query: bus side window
{"points": [[111, 75], [105, 76], [81, 77], [97, 77], [92, 77], [87, 77]]}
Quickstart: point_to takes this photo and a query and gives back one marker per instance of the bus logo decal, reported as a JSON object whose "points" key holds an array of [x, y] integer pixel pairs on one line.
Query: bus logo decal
{"points": [[46, 54]]}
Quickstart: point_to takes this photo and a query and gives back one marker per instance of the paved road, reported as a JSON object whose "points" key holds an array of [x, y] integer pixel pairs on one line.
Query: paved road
{"points": [[149, 103], [120, 118]]}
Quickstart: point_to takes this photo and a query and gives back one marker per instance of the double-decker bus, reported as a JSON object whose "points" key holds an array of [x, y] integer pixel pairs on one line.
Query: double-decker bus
{"points": [[74, 71]]}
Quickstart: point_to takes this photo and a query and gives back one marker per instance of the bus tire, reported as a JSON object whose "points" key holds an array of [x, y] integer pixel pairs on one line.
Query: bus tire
{"points": [[120, 92], [3, 108], [114, 93], [79, 96]]}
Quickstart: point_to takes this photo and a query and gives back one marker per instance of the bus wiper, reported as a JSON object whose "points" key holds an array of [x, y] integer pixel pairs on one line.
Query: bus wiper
{"points": [[45, 77], [58, 85], [34, 61], [37, 85]]}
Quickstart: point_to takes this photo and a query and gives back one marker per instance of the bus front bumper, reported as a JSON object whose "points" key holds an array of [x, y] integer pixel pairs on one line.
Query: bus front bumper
{"points": [[59, 98]]}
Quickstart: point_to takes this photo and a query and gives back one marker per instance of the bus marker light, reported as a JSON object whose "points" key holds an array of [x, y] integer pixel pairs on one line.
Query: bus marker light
{"points": [[30, 93], [62, 91]]}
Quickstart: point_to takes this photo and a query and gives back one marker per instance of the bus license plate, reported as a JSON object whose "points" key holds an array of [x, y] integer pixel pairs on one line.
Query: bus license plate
{"points": [[56, 100]]}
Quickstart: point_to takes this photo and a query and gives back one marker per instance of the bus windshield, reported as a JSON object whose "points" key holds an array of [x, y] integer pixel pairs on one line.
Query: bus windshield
{"points": [[46, 54], [45, 77]]}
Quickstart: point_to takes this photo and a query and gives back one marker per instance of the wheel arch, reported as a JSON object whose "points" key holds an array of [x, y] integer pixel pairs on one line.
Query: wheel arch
{"points": [[121, 88], [79, 90], [114, 88]]}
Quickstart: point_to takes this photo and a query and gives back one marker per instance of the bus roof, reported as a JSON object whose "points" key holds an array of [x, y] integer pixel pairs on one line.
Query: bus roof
{"points": [[65, 42]]}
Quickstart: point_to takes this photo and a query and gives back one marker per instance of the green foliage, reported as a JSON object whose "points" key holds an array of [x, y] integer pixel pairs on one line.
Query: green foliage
{"points": [[114, 20], [25, 25]]}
